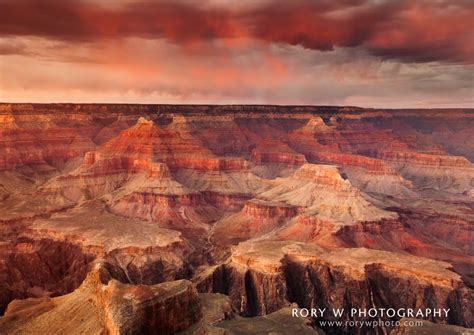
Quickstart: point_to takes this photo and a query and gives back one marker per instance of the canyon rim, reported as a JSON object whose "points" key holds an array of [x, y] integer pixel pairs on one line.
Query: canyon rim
{"points": [[236, 167]]}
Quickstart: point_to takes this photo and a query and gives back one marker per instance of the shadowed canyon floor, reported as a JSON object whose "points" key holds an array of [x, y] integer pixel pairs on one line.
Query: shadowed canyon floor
{"points": [[164, 219]]}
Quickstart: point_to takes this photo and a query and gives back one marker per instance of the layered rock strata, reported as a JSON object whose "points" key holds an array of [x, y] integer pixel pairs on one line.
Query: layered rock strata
{"points": [[111, 213]]}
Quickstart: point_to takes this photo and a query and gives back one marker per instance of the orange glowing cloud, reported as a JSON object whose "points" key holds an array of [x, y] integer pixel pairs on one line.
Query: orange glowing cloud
{"points": [[369, 52], [412, 30]]}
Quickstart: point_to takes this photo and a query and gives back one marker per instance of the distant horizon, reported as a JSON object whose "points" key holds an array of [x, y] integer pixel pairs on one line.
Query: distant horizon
{"points": [[453, 105], [233, 104]]}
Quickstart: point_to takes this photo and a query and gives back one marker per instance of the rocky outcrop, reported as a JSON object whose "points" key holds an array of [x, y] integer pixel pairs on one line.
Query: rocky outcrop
{"points": [[165, 308], [134, 251], [368, 174], [262, 277], [103, 304], [220, 318], [309, 228], [256, 218], [172, 144], [261, 210], [43, 267], [323, 191], [315, 136]]}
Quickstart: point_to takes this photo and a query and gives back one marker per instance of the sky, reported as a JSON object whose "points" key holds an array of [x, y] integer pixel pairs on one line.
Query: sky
{"points": [[369, 53]]}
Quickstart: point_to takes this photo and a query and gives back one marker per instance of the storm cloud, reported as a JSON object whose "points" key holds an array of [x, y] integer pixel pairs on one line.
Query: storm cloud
{"points": [[156, 45]]}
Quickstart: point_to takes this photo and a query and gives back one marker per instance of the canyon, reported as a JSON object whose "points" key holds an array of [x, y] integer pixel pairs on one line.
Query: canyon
{"points": [[208, 219]]}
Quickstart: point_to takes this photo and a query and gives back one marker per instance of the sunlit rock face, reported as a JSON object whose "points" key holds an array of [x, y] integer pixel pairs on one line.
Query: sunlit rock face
{"points": [[116, 213]]}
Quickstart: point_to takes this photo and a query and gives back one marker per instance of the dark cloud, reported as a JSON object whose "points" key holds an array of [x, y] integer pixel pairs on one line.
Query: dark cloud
{"points": [[81, 20], [412, 31]]}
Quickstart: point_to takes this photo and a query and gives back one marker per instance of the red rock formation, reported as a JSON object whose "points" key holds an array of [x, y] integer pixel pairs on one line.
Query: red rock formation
{"points": [[314, 137], [52, 146], [264, 276], [30, 268], [230, 202], [173, 145], [165, 308], [255, 219], [221, 134], [373, 166], [271, 151], [441, 172], [306, 228], [219, 195], [102, 304], [185, 212], [261, 210], [436, 161]]}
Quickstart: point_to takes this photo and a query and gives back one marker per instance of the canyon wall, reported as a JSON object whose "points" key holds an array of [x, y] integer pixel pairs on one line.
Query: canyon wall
{"points": [[227, 217]]}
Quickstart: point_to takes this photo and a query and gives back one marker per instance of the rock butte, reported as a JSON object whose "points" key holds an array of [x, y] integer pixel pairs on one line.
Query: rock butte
{"points": [[135, 219]]}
